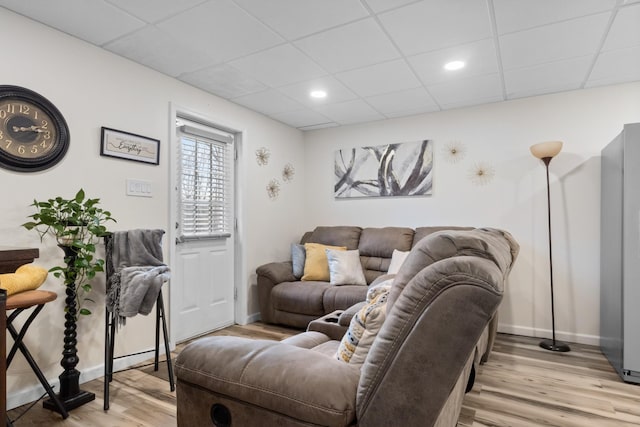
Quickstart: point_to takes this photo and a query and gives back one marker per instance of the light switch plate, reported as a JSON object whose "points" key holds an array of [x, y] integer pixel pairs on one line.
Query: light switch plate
{"points": [[139, 188]]}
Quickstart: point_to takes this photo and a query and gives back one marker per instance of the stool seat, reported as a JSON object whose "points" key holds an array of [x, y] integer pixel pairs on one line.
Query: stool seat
{"points": [[29, 299]]}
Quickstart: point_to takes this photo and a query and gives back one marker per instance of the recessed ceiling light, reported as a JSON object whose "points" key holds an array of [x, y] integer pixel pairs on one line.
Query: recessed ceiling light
{"points": [[454, 65], [318, 94]]}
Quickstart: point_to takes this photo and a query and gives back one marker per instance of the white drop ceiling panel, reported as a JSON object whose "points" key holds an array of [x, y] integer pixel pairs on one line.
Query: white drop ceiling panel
{"points": [[322, 126], [616, 66], [375, 58], [279, 66], [147, 46], [381, 5], [350, 112], [269, 102], [152, 11], [517, 15], [396, 103], [625, 30], [467, 91], [221, 28], [294, 18], [547, 78], [386, 77], [436, 24], [94, 21], [480, 58], [336, 91], [577, 37], [302, 118], [350, 46], [223, 80]]}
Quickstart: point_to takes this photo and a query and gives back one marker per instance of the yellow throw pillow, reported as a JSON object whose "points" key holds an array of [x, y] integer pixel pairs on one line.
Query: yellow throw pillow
{"points": [[26, 278], [316, 265]]}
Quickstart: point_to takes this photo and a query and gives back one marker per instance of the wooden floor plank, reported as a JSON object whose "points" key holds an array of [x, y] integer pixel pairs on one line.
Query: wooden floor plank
{"points": [[521, 385]]}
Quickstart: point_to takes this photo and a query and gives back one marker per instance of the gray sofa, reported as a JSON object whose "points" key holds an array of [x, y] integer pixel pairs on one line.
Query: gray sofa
{"points": [[415, 373], [288, 301]]}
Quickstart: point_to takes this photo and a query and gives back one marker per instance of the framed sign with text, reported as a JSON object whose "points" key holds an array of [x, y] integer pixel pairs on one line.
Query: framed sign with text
{"points": [[129, 146]]}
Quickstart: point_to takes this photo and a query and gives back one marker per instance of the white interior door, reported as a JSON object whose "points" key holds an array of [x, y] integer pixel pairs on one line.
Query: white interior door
{"points": [[202, 285]]}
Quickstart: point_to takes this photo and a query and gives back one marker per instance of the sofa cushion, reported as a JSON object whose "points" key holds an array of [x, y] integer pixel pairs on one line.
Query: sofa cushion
{"points": [[397, 259], [309, 339], [300, 297], [345, 268], [380, 242], [26, 278], [328, 348], [364, 327], [422, 232], [374, 267], [316, 266], [377, 246], [298, 257], [342, 297], [495, 245], [348, 236], [301, 384]]}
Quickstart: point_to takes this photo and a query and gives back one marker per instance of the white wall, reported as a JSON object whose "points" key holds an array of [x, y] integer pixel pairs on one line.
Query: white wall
{"points": [[94, 88], [500, 135]]}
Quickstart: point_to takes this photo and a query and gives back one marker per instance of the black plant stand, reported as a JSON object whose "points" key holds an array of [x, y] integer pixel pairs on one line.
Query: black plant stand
{"points": [[70, 393]]}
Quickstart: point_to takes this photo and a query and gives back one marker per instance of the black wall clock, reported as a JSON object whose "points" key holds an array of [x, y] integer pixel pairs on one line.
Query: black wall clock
{"points": [[33, 134]]}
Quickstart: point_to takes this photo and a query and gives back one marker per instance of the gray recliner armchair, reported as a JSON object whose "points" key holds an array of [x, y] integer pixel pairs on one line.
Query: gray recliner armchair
{"points": [[415, 373]]}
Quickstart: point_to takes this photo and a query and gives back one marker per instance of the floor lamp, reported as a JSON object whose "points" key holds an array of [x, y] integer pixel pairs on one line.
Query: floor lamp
{"points": [[546, 151]]}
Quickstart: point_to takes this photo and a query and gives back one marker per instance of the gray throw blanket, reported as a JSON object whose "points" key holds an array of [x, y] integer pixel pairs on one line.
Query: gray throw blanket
{"points": [[136, 272]]}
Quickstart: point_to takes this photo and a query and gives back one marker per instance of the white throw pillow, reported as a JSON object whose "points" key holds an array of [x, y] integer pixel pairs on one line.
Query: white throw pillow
{"points": [[345, 267], [397, 258]]}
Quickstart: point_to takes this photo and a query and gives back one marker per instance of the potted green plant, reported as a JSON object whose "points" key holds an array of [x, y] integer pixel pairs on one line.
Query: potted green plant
{"points": [[77, 224]]}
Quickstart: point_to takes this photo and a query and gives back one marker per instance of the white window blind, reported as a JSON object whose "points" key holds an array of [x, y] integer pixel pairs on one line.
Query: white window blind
{"points": [[205, 162]]}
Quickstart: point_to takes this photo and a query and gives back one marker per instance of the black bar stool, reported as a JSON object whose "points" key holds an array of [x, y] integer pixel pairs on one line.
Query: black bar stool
{"points": [[110, 338], [110, 331], [18, 303]]}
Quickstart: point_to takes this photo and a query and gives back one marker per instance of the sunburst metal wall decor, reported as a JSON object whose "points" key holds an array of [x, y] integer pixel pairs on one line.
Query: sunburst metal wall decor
{"points": [[481, 173], [273, 189], [287, 172], [262, 156], [454, 151]]}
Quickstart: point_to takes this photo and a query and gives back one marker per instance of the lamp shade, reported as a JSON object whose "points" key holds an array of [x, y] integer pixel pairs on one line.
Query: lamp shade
{"points": [[546, 149]]}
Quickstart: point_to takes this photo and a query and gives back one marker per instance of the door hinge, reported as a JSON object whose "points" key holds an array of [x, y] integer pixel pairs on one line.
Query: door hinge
{"points": [[235, 154], [235, 223], [235, 294]]}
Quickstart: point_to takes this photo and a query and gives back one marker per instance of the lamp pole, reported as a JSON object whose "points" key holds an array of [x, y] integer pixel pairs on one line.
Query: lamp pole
{"points": [[552, 344], [546, 151]]}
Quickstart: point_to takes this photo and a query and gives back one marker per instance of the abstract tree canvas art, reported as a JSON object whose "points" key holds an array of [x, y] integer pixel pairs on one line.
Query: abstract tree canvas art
{"points": [[402, 169]]}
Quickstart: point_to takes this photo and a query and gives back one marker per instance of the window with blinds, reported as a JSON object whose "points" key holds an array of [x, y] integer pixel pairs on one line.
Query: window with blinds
{"points": [[205, 190]]}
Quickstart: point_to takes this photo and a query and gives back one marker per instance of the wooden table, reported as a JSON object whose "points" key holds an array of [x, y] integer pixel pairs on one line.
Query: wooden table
{"points": [[10, 259]]}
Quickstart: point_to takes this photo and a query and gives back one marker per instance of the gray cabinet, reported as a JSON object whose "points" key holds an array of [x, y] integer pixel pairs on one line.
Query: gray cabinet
{"points": [[620, 253]]}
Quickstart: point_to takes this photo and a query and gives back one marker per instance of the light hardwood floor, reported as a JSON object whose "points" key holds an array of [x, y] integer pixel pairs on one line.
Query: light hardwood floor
{"points": [[520, 385]]}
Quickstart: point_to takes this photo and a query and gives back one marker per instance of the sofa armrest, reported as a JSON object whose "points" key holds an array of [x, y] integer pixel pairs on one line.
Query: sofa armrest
{"points": [[277, 272], [300, 383], [329, 326], [269, 275], [347, 315]]}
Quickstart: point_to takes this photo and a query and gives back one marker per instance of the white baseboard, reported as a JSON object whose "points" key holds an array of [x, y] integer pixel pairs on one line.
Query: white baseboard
{"points": [[546, 333], [249, 319], [34, 392], [255, 317]]}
